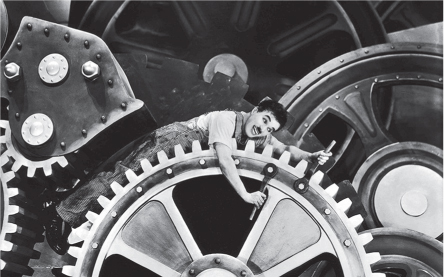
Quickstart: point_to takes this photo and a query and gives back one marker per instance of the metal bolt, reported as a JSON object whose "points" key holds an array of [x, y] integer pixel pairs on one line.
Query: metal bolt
{"points": [[319, 72], [419, 46], [17, 115], [298, 87], [392, 47], [19, 45], [113, 214], [341, 60], [306, 125], [202, 162], [217, 260], [327, 211], [243, 273], [84, 132], [62, 144], [29, 26], [301, 186], [191, 271], [12, 72], [103, 118], [66, 36], [397, 77], [98, 56], [366, 51], [9, 91], [376, 80], [356, 86], [169, 171], [419, 77], [86, 44], [46, 31], [320, 110], [175, 90], [110, 82], [95, 245], [347, 242], [440, 79], [236, 162], [337, 96], [139, 189], [90, 71], [123, 106], [270, 169]]}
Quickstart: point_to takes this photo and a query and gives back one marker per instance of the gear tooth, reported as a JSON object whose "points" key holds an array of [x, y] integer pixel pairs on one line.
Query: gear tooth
{"points": [[79, 234], [91, 216], [6, 246], [365, 238], [162, 157], [268, 151], [373, 257], [251, 146], [178, 151], [233, 143], [116, 187], [8, 176], [103, 201], [131, 176], [10, 228], [2, 264], [47, 169], [332, 190], [345, 205], [196, 146], [68, 270], [13, 209], [300, 168], [316, 179], [4, 124], [63, 162], [74, 251], [13, 192], [16, 166], [31, 172], [4, 158], [285, 157], [146, 165], [356, 221]]}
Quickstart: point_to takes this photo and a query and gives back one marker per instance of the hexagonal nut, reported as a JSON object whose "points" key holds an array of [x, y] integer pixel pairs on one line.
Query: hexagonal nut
{"points": [[12, 72], [90, 70]]}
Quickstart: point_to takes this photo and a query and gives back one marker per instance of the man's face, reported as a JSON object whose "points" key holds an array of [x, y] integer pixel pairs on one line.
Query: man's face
{"points": [[260, 124]]}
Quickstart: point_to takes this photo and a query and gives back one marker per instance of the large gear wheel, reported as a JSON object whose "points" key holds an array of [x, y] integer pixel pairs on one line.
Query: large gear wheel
{"points": [[143, 223], [406, 253], [19, 229], [373, 102]]}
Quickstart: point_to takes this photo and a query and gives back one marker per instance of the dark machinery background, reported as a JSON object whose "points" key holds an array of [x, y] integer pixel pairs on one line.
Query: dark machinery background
{"points": [[367, 74]]}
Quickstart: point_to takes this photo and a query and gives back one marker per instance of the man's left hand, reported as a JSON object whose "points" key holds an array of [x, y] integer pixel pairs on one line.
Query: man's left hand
{"points": [[321, 157]]}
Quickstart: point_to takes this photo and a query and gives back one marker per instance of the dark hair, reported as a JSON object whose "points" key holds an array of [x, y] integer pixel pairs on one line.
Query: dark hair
{"points": [[276, 109]]}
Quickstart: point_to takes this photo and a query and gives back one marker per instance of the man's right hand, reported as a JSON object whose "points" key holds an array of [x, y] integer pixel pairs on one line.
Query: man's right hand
{"points": [[256, 198]]}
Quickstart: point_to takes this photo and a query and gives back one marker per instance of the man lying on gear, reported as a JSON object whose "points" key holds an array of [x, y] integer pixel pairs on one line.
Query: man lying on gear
{"points": [[217, 129]]}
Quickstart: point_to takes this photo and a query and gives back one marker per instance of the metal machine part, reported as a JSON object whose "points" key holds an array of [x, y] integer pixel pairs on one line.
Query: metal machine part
{"points": [[365, 95], [406, 253], [143, 223], [275, 39]]}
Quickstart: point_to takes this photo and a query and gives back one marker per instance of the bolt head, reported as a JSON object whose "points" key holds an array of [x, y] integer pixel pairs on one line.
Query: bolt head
{"points": [[306, 125], [86, 44], [29, 26], [83, 132], [90, 71], [191, 271], [139, 189], [397, 77], [62, 144], [327, 211], [113, 214], [17, 115], [66, 36], [110, 82], [243, 273], [169, 171], [123, 105], [347, 242], [298, 87], [12, 72], [217, 260], [337, 96], [202, 162], [103, 118], [341, 60], [95, 245], [98, 56], [440, 79], [19, 45]]}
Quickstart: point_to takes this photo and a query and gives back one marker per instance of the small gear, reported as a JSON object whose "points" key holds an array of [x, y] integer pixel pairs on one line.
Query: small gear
{"points": [[143, 223]]}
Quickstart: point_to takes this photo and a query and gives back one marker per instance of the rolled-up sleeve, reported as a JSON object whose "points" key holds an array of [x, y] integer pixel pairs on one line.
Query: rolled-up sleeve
{"points": [[221, 128]]}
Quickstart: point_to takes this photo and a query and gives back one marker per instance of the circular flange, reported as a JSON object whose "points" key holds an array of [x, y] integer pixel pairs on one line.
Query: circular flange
{"points": [[227, 64], [37, 129], [53, 68], [401, 186], [217, 265]]}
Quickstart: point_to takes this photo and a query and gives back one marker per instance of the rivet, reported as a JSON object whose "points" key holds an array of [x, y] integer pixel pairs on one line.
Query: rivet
{"points": [[337, 96], [347, 242], [298, 87], [319, 72], [175, 90], [356, 86], [217, 260], [139, 189], [306, 125], [86, 44], [419, 77], [19, 45], [202, 162], [243, 273], [320, 109], [191, 271], [113, 214], [301, 186], [169, 171], [236, 162], [419, 46], [9, 91], [98, 56], [46, 31], [66, 36], [397, 77], [123, 105], [440, 79], [376, 80], [366, 51], [17, 115], [62, 144], [341, 60], [6, 61], [29, 26], [327, 211], [84, 132], [270, 169], [110, 82], [392, 47], [95, 245], [103, 118]]}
